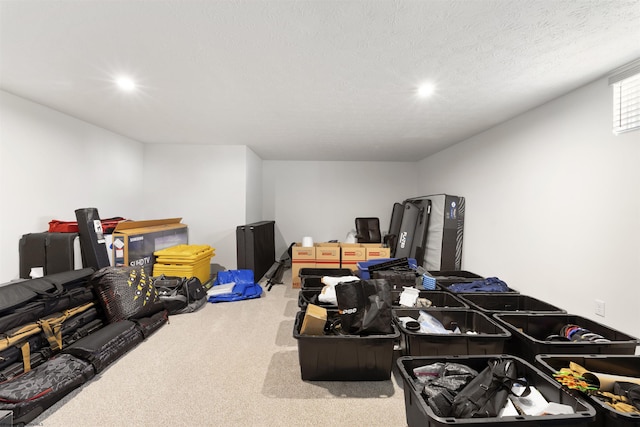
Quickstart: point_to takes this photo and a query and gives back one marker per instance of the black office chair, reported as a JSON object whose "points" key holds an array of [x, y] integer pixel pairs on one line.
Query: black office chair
{"points": [[368, 230]]}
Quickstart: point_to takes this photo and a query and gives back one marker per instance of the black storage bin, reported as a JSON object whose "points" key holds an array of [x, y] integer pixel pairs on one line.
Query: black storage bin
{"points": [[489, 339], [627, 366], [311, 277], [491, 303], [533, 334], [344, 357], [439, 299], [397, 279], [419, 414]]}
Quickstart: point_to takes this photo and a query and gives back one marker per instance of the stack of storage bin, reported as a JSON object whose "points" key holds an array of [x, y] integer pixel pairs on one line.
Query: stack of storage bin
{"points": [[184, 261], [533, 328], [340, 357]]}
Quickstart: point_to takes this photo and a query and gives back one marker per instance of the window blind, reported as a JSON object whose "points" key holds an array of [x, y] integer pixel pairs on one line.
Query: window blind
{"points": [[626, 98]]}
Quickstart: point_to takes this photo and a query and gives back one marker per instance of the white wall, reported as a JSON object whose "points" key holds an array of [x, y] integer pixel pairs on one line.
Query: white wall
{"points": [[553, 202], [205, 185], [322, 199], [553, 205], [52, 164], [254, 188]]}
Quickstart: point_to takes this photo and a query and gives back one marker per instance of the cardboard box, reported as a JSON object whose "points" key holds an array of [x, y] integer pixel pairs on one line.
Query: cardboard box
{"points": [[134, 242], [315, 318], [351, 254], [375, 251], [327, 255], [301, 257]]}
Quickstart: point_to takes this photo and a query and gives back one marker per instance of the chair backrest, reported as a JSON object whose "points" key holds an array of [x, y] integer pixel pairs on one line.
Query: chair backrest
{"points": [[368, 230]]}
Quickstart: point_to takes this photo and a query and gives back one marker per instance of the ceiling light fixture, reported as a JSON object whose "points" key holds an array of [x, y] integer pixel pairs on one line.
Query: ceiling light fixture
{"points": [[425, 90], [125, 84]]}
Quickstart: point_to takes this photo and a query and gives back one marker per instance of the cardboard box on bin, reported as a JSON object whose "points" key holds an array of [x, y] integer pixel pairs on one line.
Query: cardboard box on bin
{"points": [[134, 242], [315, 317], [301, 257]]}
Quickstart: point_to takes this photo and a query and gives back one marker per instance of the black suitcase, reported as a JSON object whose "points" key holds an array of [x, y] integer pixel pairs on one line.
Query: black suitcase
{"points": [[60, 252], [391, 239], [32, 254], [410, 217], [92, 241], [419, 244], [51, 252], [29, 300]]}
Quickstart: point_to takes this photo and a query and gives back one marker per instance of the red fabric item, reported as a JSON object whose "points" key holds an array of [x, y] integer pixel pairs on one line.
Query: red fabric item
{"points": [[108, 225]]}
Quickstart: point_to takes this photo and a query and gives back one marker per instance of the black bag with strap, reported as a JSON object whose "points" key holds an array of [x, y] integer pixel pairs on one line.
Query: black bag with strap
{"points": [[487, 393], [29, 300], [629, 390], [180, 294]]}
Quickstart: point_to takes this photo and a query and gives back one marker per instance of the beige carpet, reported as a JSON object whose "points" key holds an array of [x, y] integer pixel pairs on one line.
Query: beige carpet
{"points": [[229, 364]]}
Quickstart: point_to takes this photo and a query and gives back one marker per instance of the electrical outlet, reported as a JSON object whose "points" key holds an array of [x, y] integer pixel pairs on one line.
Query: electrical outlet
{"points": [[600, 307]]}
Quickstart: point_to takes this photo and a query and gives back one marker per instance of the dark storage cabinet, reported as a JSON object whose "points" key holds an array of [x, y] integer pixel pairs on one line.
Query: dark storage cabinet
{"points": [[255, 246]]}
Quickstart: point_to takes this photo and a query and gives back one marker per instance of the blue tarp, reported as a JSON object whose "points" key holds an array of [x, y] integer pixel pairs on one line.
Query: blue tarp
{"points": [[245, 286]]}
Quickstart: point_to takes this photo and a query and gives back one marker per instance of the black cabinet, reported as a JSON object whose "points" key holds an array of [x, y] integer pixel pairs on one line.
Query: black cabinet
{"points": [[255, 247]]}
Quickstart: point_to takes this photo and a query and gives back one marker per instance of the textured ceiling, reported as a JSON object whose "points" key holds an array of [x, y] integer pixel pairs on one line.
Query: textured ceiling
{"points": [[310, 80]]}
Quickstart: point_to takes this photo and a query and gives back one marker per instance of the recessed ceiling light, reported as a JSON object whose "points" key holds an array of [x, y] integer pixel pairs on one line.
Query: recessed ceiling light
{"points": [[125, 84], [425, 90]]}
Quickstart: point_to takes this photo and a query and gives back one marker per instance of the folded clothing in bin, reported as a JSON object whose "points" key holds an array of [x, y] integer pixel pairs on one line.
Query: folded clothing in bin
{"points": [[490, 284]]}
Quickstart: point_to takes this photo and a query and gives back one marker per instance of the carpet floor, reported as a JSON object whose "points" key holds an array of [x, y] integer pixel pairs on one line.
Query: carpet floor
{"points": [[228, 364]]}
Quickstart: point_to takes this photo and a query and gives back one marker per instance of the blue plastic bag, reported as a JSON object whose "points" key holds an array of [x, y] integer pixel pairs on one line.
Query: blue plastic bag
{"points": [[245, 286]]}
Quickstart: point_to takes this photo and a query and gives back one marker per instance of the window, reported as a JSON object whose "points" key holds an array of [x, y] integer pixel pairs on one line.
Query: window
{"points": [[626, 98]]}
